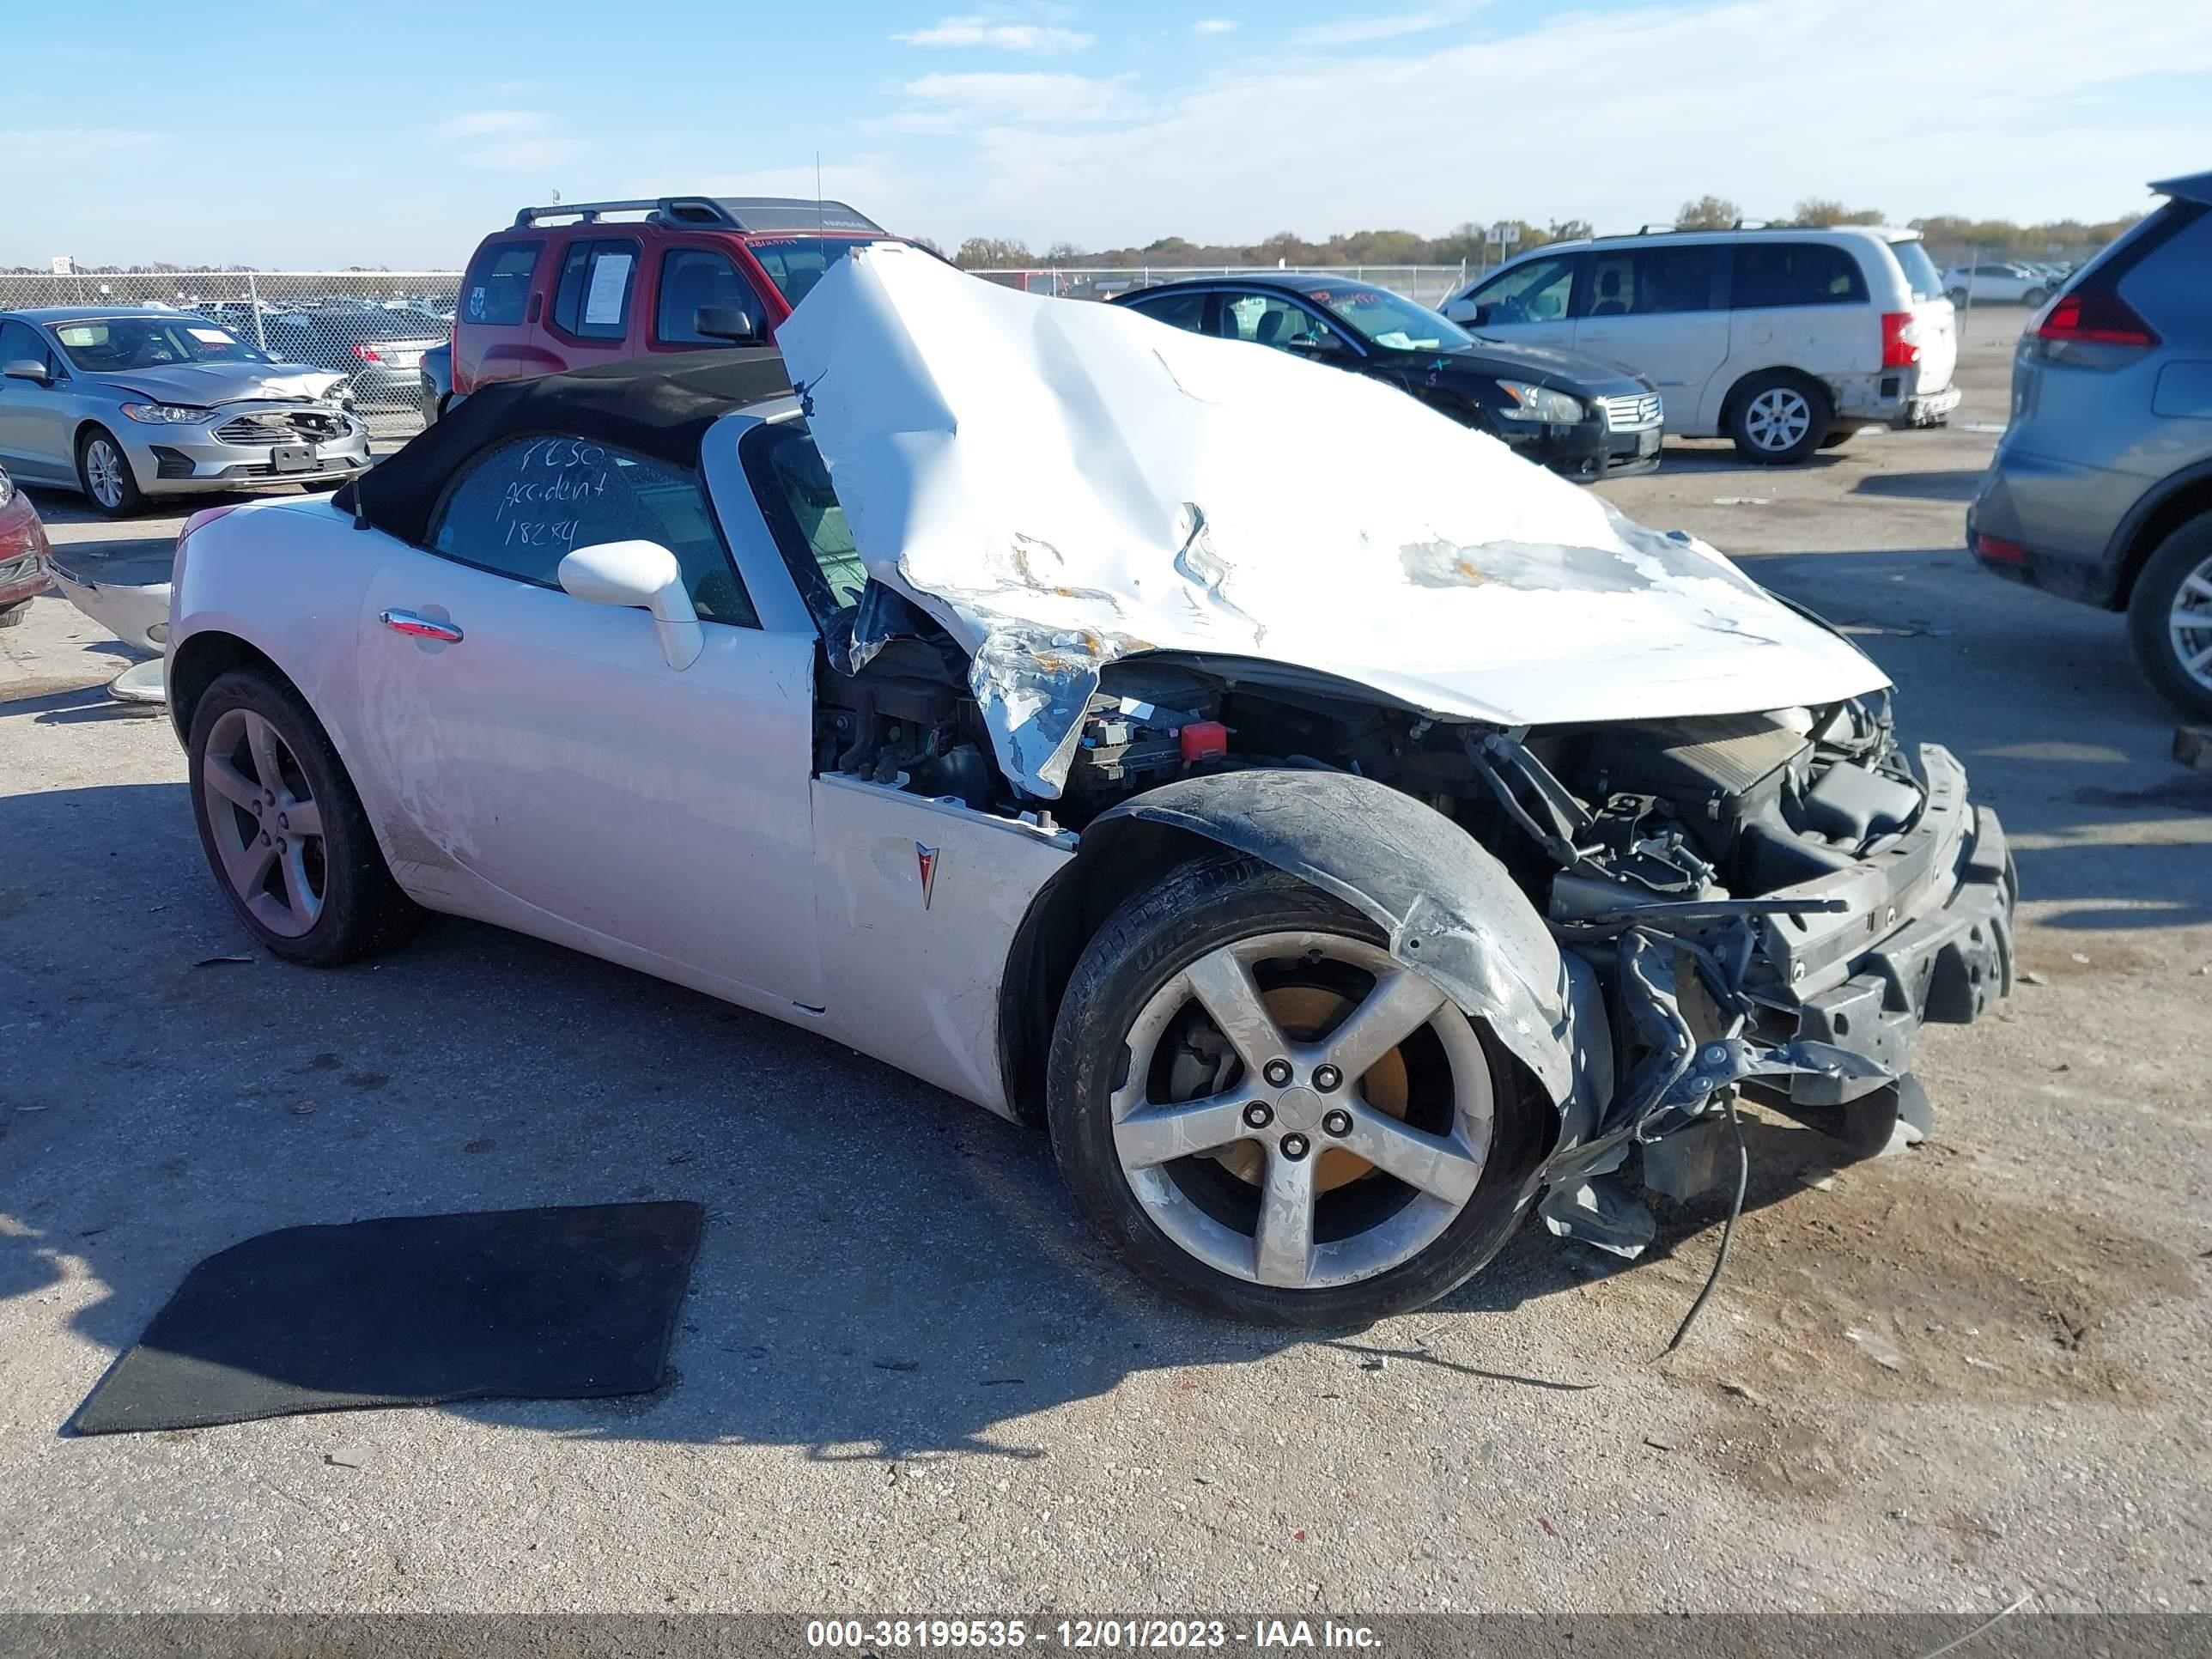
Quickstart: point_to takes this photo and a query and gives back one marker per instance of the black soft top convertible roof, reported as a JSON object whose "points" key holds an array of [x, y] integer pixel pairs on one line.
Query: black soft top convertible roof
{"points": [[654, 407]]}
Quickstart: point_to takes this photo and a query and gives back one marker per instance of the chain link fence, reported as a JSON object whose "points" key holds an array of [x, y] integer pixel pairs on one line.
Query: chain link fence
{"points": [[372, 325], [1429, 285]]}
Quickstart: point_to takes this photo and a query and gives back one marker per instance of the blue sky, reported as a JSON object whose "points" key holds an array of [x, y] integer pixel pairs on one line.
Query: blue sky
{"points": [[397, 132]]}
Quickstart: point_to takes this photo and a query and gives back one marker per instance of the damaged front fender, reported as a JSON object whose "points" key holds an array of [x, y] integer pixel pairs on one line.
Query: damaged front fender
{"points": [[1446, 906]]}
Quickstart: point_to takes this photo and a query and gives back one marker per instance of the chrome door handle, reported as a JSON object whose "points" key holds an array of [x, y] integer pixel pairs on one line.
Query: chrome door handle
{"points": [[420, 627]]}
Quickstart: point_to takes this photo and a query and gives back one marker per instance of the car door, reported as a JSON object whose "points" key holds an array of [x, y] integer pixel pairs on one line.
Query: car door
{"points": [[691, 276], [35, 442], [596, 292], [549, 770], [1530, 302], [1662, 311], [1265, 317], [1799, 304]]}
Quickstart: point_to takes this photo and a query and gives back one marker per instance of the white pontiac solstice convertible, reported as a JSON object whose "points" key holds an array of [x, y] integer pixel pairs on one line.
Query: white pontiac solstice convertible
{"points": [[1345, 836]]}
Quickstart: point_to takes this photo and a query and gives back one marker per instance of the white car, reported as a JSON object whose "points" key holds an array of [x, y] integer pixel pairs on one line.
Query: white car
{"points": [[1342, 860], [1999, 282], [1786, 341]]}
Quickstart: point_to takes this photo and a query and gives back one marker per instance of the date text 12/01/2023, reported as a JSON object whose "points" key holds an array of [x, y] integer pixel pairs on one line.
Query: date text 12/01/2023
{"points": [[1081, 1635]]}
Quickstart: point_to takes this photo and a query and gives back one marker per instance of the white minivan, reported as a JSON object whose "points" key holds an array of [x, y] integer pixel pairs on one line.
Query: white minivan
{"points": [[1786, 341]]}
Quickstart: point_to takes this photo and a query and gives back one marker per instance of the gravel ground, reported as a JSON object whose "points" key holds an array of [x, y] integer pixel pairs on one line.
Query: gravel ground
{"points": [[907, 1377]]}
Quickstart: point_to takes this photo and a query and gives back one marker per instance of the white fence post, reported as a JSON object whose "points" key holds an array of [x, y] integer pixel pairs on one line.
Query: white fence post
{"points": [[253, 300]]}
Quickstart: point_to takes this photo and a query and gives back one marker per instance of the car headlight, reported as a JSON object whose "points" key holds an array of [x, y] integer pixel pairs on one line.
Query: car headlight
{"points": [[1524, 402], [165, 414]]}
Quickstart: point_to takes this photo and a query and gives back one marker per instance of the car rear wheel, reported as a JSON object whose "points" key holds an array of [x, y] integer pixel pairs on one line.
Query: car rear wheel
{"points": [[1267, 1114], [104, 472], [1778, 419], [2035, 296], [2170, 618], [283, 831]]}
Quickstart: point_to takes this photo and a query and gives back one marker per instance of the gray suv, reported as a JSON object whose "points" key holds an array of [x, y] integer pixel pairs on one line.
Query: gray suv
{"points": [[2101, 490]]}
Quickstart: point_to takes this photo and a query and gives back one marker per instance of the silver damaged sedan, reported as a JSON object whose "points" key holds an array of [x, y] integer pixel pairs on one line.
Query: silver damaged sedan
{"points": [[126, 403]]}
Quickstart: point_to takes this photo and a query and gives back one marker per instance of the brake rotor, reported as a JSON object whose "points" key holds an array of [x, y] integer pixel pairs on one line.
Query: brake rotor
{"points": [[1303, 1013]]}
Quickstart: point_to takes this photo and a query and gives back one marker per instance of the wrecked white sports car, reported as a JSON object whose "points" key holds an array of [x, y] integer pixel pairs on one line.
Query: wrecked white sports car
{"points": [[1344, 835]]}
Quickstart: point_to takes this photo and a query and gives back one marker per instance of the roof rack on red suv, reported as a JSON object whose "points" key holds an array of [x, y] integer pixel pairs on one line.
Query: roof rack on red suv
{"points": [[740, 213]]}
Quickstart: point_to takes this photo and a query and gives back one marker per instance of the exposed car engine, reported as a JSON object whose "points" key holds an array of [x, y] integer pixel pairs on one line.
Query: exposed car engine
{"points": [[1593, 820]]}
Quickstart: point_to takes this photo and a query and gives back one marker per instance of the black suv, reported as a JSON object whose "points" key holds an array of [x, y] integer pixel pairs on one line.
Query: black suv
{"points": [[1581, 417]]}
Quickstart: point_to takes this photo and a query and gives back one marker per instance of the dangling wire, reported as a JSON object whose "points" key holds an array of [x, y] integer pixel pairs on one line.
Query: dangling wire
{"points": [[1727, 1227]]}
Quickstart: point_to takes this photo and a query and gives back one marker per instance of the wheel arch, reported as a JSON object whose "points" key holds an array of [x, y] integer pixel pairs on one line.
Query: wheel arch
{"points": [[1444, 903], [85, 429], [2184, 496], [200, 660]]}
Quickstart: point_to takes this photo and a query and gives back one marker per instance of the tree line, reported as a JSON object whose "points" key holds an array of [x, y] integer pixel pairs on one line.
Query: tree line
{"points": [[1948, 236]]}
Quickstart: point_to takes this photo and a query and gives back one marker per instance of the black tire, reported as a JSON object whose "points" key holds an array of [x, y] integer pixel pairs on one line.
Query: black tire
{"points": [[12, 614], [2186, 553], [1957, 296], [2034, 297], [1804, 408], [362, 909], [127, 498], [1191, 911]]}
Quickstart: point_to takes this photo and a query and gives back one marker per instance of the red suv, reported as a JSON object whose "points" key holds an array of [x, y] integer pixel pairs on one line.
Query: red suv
{"points": [[628, 279]]}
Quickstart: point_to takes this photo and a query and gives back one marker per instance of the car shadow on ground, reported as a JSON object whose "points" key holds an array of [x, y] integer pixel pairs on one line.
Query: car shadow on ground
{"points": [[1955, 485], [1722, 457]]}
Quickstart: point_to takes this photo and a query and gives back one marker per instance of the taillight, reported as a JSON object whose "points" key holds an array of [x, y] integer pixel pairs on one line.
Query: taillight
{"points": [[1900, 339], [368, 353], [1994, 550], [2097, 316]]}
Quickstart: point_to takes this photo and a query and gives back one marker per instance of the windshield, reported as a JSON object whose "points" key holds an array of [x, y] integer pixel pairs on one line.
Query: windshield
{"points": [[1388, 319], [99, 345], [795, 263], [1920, 273]]}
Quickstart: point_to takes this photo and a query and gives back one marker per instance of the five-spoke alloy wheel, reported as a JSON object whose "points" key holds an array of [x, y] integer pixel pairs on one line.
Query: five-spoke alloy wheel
{"points": [[283, 831], [1269, 1115]]}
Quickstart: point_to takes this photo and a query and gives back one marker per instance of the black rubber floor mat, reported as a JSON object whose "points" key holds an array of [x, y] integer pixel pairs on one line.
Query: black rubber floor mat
{"points": [[408, 1310]]}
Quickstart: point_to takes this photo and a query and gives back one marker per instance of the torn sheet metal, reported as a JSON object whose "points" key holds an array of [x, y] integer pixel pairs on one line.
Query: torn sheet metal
{"points": [[1061, 483]]}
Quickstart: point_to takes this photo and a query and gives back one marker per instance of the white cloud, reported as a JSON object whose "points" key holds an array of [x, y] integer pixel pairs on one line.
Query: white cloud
{"points": [[509, 140], [1658, 135], [1212, 26], [954, 103], [1040, 39]]}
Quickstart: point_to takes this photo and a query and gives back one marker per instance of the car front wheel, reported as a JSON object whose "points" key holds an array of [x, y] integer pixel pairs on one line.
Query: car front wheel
{"points": [[284, 833], [104, 472], [1267, 1114], [2170, 618]]}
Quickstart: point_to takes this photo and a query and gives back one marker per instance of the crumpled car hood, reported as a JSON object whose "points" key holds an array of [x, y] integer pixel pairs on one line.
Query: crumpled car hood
{"points": [[206, 386], [1062, 484]]}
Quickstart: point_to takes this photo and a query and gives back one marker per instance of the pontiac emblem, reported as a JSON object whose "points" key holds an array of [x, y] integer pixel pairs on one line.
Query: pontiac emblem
{"points": [[925, 860]]}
